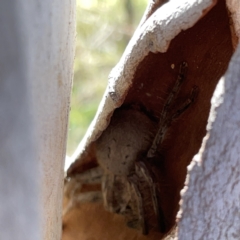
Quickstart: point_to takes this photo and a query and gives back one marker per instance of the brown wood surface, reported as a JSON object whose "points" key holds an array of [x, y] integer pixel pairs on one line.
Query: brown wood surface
{"points": [[207, 48], [90, 221]]}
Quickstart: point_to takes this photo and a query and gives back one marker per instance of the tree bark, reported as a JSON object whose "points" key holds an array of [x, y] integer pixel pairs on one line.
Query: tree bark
{"points": [[52, 70], [36, 67], [203, 36], [210, 201], [19, 175]]}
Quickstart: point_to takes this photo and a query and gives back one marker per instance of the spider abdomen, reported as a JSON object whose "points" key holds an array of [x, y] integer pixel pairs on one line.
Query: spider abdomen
{"points": [[129, 133]]}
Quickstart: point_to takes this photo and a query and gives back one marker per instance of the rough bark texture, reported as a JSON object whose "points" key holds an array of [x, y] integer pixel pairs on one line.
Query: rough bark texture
{"points": [[51, 73], [210, 203], [36, 65], [234, 12]]}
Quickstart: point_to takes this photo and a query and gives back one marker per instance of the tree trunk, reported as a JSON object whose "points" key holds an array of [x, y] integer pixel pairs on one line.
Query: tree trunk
{"points": [[210, 201], [36, 65], [199, 34]]}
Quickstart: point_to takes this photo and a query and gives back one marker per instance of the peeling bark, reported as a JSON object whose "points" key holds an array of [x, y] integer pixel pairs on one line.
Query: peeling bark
{"points": [[198, 33]]}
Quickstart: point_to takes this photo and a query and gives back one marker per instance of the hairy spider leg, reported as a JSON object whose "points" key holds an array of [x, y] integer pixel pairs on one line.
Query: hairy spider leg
{"points": [[166, 124], [171, 97], [107, 183], [145, 172], [133, 181], [185, 105], [173, 94], [140, 166]]}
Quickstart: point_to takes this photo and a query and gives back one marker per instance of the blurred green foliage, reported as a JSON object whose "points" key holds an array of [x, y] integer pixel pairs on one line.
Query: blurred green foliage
{"points": [[104, 28]]}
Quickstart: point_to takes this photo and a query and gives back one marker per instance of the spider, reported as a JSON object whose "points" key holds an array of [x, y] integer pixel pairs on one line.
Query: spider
{"points": [[126, 150]]}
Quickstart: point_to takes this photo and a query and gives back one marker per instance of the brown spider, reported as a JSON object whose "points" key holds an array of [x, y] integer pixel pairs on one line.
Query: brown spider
{"points": [[126, 151]]}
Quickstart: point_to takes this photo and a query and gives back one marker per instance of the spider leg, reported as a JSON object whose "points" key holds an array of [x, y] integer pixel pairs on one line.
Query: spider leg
{"points": [[186, 104], [142, 169], [133, 180], [171, 97], [162, 129], [115, 196]]}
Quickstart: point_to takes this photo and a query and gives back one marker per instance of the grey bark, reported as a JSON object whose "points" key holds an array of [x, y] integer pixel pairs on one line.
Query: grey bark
{"points": [[36, 68], [210, 206], [19, 177]]}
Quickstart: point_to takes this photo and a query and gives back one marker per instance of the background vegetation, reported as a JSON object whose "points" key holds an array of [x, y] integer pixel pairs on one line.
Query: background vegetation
{"points": [[104, 28]]}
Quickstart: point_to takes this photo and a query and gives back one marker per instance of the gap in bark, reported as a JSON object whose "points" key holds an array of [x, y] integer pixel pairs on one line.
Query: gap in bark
{"points": [[207, 48]]}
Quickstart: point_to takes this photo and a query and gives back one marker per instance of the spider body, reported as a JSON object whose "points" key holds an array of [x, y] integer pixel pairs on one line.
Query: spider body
{"points": [[129, 134], [126, 150]]}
